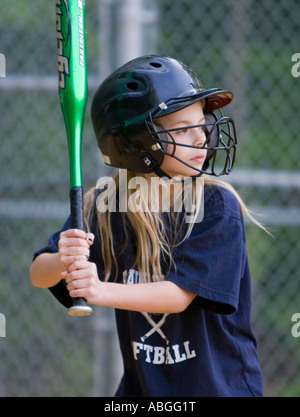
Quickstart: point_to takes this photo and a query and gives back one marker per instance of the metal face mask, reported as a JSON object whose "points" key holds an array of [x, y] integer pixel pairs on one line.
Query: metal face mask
{"points": [[220, 143]]}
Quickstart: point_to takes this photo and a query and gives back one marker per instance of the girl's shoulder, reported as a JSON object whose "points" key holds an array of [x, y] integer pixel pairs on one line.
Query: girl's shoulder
{"points": [[220, 199]]}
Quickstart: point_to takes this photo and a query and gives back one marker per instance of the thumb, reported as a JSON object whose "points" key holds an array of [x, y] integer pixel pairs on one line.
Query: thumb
{"points": [[90, 238]]}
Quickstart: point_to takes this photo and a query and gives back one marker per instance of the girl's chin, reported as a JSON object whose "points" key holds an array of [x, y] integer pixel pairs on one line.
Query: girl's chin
{"points": [[184, 171]]}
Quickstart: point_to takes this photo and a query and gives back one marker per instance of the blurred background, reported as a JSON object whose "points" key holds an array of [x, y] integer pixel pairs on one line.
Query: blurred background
{"points": [[244, 46]]}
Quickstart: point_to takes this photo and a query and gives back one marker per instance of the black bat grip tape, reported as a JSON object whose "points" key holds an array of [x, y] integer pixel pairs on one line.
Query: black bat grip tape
{"points": [[76, 195], [76, 202]]}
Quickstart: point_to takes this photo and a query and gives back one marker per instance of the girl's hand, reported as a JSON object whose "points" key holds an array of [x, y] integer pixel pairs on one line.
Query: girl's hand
{"points": [[83, 281], [74, 245]]}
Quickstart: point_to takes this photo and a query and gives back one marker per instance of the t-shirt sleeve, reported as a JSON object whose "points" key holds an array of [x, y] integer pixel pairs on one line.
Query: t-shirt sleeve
{"points": [[210, 263], [59, 290]]}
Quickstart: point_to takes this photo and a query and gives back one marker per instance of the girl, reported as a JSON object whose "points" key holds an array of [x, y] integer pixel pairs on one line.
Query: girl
{"points": [[180, 289]]}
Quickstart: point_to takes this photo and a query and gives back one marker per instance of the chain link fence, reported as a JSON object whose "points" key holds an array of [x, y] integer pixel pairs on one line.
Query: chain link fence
{"points": [[250, 47]]}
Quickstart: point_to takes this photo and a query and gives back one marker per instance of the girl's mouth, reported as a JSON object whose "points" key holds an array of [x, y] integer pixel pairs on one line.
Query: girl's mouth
{"points": [[198, 159]]}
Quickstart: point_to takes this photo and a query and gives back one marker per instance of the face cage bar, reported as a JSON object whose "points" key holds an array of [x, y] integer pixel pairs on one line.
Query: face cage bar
{"points": [[213, 128]]}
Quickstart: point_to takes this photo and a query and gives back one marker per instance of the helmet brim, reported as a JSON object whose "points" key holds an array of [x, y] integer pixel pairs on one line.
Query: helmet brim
{"points": [[214, 99], [217, 99]]}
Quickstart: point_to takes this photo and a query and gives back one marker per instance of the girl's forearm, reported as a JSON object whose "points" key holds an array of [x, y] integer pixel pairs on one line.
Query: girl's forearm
{"points": [[158, 297], [45, 270]]}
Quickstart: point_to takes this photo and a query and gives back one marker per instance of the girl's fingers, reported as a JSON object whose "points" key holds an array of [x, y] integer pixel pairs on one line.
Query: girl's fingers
{"points": [[74, 251], [80, 264], [82, 280], [79, 276], [90, 238], [79, 282], [77, 233], [64, 274], [73, 241]]}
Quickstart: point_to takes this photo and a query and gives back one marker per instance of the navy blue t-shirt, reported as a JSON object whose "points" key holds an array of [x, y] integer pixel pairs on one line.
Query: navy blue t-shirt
{"points": [[209, 349]]}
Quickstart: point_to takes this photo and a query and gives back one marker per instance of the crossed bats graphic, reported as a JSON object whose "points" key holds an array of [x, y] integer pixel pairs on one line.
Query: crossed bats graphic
{"points": [[156, 327]]}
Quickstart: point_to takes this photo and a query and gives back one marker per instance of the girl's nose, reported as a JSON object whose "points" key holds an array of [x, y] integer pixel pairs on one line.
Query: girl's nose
{"points": [[200, 137]]}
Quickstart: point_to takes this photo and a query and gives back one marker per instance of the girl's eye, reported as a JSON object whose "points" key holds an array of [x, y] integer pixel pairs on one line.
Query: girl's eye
{"points": [[183, 131]]}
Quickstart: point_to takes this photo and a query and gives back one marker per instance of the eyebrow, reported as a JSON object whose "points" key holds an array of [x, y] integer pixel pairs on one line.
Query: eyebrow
{"points": [[188, 123]]}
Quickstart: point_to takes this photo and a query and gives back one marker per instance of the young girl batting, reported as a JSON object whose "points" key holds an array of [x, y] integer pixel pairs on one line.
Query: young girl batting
{"points": [[176, 272]]}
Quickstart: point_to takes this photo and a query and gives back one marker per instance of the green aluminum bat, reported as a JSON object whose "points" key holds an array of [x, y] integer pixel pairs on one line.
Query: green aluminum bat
{"points": [[73, 92]]}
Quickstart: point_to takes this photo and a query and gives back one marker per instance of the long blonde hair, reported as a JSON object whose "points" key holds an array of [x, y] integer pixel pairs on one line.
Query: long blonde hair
{"points": [[154, 242]]}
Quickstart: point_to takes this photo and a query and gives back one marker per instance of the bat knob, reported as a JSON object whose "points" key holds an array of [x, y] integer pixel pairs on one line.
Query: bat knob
{"points": [[79, 308]]}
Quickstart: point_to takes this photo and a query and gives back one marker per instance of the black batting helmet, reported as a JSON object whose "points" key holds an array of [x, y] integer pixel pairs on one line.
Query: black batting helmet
{"points": [[126, 104]]}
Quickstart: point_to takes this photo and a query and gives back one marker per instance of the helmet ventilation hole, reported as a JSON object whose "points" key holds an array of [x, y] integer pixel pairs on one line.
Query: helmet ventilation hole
{"points": [[155, 64], [132, 85]]}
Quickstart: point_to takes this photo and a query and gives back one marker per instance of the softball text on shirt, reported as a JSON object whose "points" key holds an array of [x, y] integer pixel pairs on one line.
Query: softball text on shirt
{"points": [[157, 355]]}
